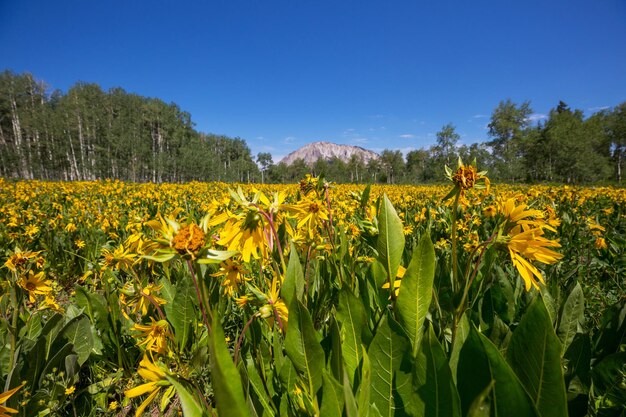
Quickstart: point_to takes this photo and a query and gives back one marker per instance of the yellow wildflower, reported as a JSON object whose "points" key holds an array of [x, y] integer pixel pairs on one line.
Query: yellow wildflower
{"points": [[35, 284], [157, 379], [233, 273], [155, 335]]}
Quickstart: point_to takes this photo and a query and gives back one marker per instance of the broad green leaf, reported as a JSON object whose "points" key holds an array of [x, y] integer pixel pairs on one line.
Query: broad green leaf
{"points": [[336, 356], [332, 396], [534, 354], [302, 346], [181, 312], [189, 403], [608, 380], [78, 332], [390, 244], [93, 304], [578, 359], [288, 376], [365, 386], [294, 278], [351, 316], [416, 290], [462, 331], [56, 361], [480, 363], [390, 371], [225, 378], [260, 395], [436, 393], [571, 317]]}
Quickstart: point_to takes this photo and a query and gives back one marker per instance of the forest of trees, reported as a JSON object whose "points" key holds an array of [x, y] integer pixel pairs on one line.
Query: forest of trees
{"points": [[87, 133]]}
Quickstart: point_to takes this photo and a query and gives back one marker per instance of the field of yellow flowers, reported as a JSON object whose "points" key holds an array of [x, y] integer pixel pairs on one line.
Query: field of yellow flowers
{"points": [[312, 299]]}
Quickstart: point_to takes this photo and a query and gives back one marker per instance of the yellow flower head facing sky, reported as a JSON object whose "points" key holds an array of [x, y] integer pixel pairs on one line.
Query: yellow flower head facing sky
{"points": [[35, 284]]}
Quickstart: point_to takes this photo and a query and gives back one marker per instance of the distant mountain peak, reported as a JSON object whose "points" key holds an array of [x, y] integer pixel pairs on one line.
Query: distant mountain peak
{"points": [[311, 152]]}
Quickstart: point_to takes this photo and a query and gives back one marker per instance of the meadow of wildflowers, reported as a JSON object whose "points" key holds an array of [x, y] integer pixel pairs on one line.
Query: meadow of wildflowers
{"points": [[464, 299]]}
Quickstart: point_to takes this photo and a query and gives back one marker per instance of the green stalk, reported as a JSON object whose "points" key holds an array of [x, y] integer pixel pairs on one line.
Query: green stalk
{"points": [[455, 274]]}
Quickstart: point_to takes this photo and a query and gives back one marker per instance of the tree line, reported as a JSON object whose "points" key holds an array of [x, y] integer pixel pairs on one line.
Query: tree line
{"points": [[87, 133], [564, 147]]}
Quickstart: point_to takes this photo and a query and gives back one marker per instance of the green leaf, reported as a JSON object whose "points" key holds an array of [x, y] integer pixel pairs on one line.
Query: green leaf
{"points": [[578, 359], [436, 393], [260, 395], [390, 370], [181, 312], [302, 346], [571, 317], [294, 278], [226, 381], [462, 331], [534, 354], [78, 332], [481, 406], [416, 290], [190, 405], [351, 316], [608, 380], [336, 356], [365, 386], [480, 363], [332, 396], [390, 244]]}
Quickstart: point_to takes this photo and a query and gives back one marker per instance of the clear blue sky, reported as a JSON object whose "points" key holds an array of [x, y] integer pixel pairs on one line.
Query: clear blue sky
{"points": [[280, 74]]}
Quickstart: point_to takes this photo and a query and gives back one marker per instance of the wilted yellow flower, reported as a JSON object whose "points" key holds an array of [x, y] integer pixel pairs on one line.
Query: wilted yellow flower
{"points": [[19, 259], [138, 301], [4, 397], [600, 243], [189, 240]]}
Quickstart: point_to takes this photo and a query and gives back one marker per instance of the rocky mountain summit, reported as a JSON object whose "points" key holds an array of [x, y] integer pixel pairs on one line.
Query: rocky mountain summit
{"points": [[325, 150]]}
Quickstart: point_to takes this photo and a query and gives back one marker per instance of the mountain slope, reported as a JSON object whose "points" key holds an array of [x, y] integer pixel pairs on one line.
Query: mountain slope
{"points": [[326, 150]]}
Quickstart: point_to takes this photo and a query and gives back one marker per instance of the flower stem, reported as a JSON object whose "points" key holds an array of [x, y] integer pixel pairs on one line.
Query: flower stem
{"points": [[199, 295]]}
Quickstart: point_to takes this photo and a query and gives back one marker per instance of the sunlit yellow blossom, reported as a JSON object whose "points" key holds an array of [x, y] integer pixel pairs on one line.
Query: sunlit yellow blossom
{"points": [[113, 405], [31, 230], [4, 397], [530, 245], [234, 274], [245, 234], [154, 335], [79, 243], [49, 302], [35, 284], [157, 379], [118, 258], [310, 213], [600, 243], [70, 390], [19, 259], [139, 299]]}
